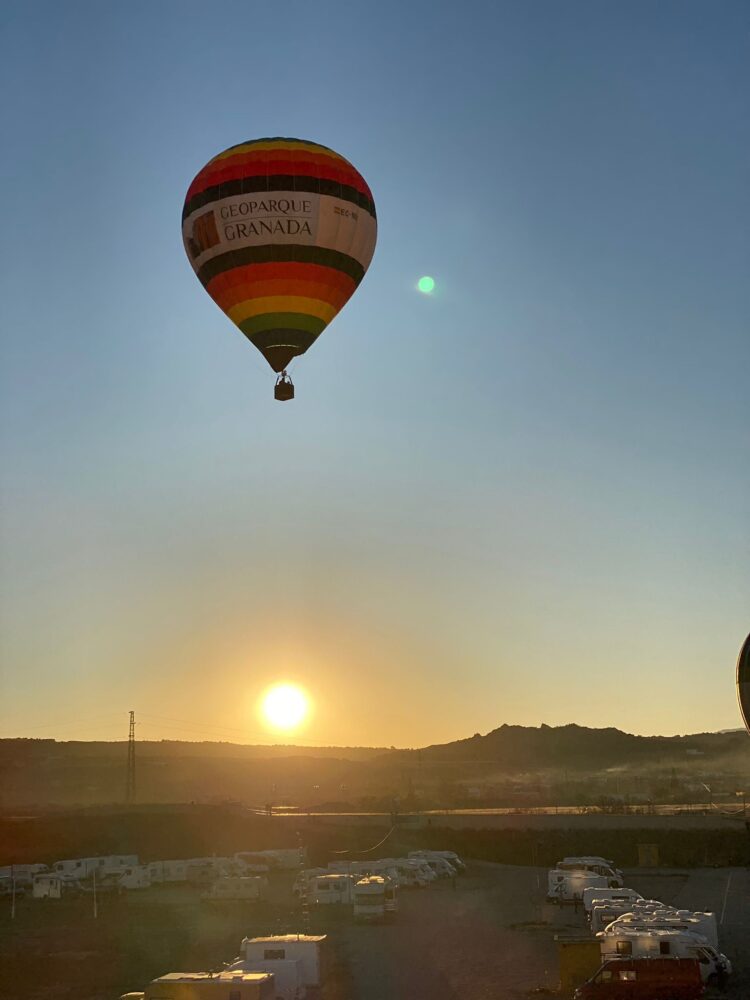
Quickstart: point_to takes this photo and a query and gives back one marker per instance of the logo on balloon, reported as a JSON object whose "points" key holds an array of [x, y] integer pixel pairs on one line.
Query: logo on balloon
{"points": [[205, 234]]}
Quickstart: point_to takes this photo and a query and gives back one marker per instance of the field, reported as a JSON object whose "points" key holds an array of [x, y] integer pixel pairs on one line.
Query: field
{"points": [[491, 936]]}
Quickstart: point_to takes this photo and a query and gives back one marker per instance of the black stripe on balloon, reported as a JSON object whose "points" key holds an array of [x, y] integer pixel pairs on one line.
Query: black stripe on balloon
{"points": [[285, 138], [278, 182], [280, 253], [300, 340]]}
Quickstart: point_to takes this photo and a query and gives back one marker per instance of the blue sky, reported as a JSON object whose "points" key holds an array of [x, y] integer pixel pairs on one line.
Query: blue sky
{"points": [[523, 499]]}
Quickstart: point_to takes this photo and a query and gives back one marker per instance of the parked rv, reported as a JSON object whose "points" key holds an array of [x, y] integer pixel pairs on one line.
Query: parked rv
{"points": [[331, 889], [626, 942], [569, 886], [644, 979], [294, 960], [595, 865], [697, 923], [369, 898], [450, 856]]}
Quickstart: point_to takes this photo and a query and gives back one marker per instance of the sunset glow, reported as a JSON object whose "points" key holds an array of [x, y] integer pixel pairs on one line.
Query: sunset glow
{"points": [[284, 707]]}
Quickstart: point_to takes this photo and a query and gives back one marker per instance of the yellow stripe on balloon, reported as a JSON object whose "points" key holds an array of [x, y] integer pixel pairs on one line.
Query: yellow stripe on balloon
{"points": [[282, 304], [278, 147]]}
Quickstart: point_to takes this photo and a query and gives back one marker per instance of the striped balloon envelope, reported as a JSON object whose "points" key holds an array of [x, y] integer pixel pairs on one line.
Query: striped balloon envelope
{"points": [[743, 682], [280, 233]]}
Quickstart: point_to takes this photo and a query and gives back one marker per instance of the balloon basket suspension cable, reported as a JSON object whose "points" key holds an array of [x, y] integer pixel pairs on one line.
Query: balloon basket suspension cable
{"points": [[284, 388]]}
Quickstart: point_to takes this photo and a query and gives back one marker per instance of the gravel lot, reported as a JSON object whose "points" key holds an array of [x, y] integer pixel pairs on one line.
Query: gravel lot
{"points": [[490, 936]]}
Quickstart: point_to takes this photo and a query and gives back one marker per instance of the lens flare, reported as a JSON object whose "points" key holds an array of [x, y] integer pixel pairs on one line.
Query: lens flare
{"points": [[285, 706], [426, 284]]}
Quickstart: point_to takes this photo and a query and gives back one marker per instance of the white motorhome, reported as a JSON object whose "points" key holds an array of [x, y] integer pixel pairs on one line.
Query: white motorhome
{"points": [[410, 873], [569, 886], [599, 866], [331, 889], [450, 856], [84, 867], [369, 898], [697, 923], [441, 867], [630, 942], [591, 895]]}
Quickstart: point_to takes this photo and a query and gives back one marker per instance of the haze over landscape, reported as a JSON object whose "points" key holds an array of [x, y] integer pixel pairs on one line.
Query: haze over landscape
{"points": [[522, 498]]}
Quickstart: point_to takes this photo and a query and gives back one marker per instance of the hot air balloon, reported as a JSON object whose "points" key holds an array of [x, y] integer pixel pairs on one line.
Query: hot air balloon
{"points": [[743, 682], [280, 233]]}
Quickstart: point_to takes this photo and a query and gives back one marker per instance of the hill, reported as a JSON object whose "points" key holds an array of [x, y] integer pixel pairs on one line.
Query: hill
{"points": [[511, 765]]}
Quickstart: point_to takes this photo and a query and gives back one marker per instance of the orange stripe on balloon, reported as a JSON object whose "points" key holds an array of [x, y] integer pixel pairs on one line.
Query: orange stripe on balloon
{"points": [[229, 297], [282, 304], [284, 271]]}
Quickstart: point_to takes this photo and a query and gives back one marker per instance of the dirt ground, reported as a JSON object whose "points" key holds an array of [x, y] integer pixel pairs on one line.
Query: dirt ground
{"points": [[490, 936]]}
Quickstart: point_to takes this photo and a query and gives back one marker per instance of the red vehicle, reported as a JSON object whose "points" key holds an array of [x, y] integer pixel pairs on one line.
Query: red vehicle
{"points": [[644, 979]]}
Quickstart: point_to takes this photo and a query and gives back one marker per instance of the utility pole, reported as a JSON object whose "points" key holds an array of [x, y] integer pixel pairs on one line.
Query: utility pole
{"points": [[130, 775]]}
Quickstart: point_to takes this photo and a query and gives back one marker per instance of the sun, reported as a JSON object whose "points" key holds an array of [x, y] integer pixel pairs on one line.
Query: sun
{"points": [[285, 706]]}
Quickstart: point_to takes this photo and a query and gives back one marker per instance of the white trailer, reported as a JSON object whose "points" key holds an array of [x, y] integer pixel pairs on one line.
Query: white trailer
{"points": [[629, 942], [271, 953], [592, 895]]}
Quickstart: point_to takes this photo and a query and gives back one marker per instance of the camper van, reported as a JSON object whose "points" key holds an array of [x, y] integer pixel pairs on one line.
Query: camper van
{"points": [[644, 979], [630, 942]]}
